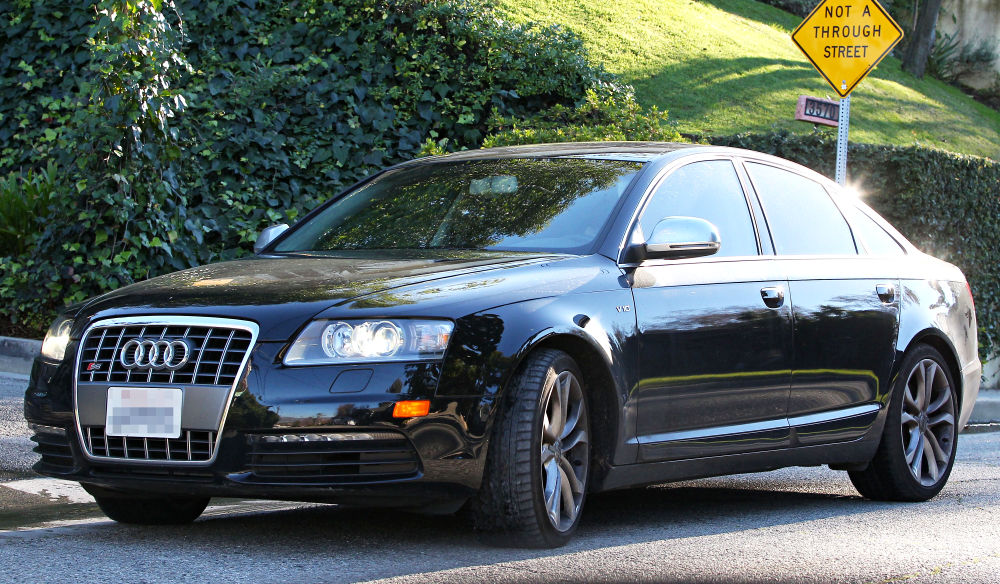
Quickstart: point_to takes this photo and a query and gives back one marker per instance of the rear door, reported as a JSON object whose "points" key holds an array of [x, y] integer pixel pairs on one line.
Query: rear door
{"points": [[845, 307]]}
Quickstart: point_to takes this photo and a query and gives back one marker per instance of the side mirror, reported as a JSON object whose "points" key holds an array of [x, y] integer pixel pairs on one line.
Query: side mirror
{"points": [[268, 235], [682, 237]]}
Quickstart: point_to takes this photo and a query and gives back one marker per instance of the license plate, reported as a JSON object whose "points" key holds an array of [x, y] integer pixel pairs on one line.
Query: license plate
{"points": [[144, 412]]}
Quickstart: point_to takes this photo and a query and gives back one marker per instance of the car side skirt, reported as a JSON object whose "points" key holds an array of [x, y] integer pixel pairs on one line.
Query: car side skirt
{"points": [[846, 453]]}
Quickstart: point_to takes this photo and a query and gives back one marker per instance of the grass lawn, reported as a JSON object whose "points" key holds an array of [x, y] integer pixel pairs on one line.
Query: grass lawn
{"points": [[726, 66]]}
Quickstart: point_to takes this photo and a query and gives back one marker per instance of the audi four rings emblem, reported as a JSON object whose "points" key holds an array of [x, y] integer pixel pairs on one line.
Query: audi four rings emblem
{"points": [[157, 355]]}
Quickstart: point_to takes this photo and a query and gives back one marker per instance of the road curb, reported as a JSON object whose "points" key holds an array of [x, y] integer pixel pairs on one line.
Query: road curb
{"points": [[987, 408], [17, 354]]}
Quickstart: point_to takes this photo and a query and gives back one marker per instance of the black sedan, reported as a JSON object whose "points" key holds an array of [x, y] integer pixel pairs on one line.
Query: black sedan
{"points": [[508, 330]]}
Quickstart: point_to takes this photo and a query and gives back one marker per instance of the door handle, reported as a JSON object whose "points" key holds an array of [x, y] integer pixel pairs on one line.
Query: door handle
{"points": [[886, 293], [773, 296]]}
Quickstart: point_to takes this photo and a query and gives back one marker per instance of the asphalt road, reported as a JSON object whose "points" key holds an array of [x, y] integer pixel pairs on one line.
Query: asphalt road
{"points": [[16, 457], [793, 525]]}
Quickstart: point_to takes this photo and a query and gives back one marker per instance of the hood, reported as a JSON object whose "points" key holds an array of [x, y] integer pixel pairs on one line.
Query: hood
{"points": [[281, 292]]}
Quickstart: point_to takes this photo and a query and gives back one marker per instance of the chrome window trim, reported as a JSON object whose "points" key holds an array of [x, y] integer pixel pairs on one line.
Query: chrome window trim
{"points": [[165, 320]]}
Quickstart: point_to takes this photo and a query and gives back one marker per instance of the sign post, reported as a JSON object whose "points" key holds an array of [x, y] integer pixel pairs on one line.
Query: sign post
{"points": [[845, 40], [842, 124]]}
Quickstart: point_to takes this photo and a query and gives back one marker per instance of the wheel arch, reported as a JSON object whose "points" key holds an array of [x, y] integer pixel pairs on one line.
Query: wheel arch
{"points": [[940, 342], [599, 384], [605, 412]]}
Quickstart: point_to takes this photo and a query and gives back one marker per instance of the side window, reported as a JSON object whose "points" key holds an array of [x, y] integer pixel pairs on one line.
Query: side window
{"points": [[800, 214], [876, 239], [709, 190]]}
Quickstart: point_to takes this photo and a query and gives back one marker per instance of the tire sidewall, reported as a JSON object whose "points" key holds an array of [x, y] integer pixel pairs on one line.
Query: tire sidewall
{"points": [[562, 362], [892, 436]]}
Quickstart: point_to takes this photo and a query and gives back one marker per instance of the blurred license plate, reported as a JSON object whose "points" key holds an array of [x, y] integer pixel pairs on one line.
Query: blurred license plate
{"points": [[144, 412]]}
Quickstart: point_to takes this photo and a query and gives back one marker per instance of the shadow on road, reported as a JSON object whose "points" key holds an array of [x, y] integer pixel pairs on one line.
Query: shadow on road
{"points": [[364, 544]]}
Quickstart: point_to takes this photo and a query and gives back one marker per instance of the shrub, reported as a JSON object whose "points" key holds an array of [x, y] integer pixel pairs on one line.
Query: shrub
{"points": [[182, 128], [24, 206], [608, 112], [797, 7]]}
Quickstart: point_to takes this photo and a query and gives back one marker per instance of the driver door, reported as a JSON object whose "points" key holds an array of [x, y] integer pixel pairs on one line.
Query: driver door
{"points": [[715, 333]]}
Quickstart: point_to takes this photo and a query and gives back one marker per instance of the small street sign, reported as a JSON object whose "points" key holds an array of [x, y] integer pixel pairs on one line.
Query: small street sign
{"points": [[845, 39], [817, 110]]}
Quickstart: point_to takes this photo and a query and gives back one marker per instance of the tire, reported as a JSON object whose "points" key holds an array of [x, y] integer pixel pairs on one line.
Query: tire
{"points": [[917, 451], [538, 464], [151, 510]]}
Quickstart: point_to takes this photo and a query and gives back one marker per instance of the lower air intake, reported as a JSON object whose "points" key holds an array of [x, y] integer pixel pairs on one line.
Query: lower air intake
{"points": [[192, 446], [330, 457]]}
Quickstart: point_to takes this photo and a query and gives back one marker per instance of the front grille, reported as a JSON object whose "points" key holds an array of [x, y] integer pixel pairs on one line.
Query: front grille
{"points": [[331, 457], [192, 446], [55, 451], [217, 354]]}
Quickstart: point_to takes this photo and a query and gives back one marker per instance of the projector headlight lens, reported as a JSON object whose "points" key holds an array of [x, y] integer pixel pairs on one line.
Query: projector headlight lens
{"points": [[358, 341], [56, 339]]}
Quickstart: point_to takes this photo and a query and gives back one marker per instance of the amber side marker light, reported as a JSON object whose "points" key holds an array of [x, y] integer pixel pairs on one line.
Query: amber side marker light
{"points": [[411, 409]]}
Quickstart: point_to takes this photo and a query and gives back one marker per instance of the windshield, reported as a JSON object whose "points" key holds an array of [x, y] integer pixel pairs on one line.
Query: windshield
{"points": [[556, 205]]}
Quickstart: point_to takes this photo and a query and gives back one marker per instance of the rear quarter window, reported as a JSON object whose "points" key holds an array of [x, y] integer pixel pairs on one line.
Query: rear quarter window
{"points": [[802, 217], [876, 239]]}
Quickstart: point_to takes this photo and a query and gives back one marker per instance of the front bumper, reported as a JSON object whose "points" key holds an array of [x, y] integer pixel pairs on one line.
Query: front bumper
{"points": [[290, 434]]}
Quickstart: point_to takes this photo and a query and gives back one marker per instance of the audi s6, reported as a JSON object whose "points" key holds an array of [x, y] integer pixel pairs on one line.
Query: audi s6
{"points": [[505, 331]]}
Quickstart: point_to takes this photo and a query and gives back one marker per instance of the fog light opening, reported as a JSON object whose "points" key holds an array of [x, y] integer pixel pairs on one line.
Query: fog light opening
{"points": [[411, 408]]}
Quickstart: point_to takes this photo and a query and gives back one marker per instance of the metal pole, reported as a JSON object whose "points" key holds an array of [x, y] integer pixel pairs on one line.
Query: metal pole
{"points": [[843, 123]]}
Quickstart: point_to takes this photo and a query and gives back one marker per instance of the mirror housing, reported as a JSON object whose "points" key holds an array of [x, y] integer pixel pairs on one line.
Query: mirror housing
{"points": [[682, 237], [268, 235]]}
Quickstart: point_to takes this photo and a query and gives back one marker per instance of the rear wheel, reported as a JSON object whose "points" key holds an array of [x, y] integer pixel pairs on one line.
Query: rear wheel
{"points": [[539, 459], [917, 451], [142, 510]]}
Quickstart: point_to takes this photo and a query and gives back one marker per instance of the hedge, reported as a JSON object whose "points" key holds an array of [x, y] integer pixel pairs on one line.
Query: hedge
{"points": [[180, 129]]}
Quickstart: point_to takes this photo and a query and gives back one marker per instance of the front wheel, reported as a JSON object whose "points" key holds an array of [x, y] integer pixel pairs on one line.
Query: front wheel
{"points": [[917, 451], [539, 459]]}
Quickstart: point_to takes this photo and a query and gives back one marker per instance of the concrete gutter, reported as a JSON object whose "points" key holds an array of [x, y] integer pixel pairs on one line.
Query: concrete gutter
{"points": [[16, 355]]}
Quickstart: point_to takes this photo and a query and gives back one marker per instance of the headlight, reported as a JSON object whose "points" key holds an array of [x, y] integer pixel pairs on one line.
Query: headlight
{"points": [[54, 345], [354, 341]]}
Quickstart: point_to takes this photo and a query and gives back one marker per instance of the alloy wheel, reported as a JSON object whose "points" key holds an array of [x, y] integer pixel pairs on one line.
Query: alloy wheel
{"points": [[565, 450], [928, 422]]}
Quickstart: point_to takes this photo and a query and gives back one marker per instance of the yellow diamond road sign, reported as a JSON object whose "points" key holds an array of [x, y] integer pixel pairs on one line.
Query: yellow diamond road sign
{"points": [[845, 39]]}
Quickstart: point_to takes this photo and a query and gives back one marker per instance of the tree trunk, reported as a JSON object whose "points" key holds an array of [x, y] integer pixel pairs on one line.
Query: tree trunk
{"points": [[919, 49]]}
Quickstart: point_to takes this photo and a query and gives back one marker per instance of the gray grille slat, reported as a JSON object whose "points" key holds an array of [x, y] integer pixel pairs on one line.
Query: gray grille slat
{"points": [[222, 357], [114, 353], [97, 354], [201, 352], [198, 446]]}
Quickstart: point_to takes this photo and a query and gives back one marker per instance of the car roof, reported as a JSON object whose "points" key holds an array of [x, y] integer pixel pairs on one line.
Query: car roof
{"points": [[637, 151]]}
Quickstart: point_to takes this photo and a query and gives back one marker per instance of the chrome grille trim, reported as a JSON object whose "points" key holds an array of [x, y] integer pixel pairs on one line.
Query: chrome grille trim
{"points": [[100, 447]]}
